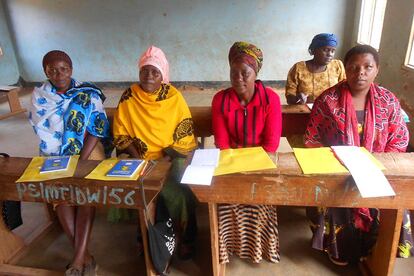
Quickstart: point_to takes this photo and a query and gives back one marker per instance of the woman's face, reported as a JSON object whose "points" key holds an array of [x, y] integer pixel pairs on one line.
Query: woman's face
{"points": [[242, 78], [324, 55], [361, 70], [150, 78], [59, 74]]}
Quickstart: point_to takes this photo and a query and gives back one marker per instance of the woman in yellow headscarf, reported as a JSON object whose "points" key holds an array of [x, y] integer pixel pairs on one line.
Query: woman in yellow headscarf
{"points": [[152, 122]]}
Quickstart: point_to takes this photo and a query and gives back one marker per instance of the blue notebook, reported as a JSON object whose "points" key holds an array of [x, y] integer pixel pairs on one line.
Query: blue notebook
{"points": [[55, 164], [125, 168]]}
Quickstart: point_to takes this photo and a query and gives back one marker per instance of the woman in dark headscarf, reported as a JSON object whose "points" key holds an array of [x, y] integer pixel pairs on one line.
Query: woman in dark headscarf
{"points": [[248, 114], [308, 79]]}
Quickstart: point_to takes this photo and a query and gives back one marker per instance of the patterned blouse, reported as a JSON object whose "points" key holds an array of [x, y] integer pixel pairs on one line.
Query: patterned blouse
{"points": [[301, 80]]}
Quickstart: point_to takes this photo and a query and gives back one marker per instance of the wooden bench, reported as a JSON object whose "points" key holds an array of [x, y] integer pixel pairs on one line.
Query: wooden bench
{"points": [[12, 95], [294, 120]]}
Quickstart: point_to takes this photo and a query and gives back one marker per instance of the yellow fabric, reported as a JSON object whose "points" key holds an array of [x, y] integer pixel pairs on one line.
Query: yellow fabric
{"points": [[32, 171], [326, 162], [301, 80], [153, 121], [100, 171], [243, 160]]}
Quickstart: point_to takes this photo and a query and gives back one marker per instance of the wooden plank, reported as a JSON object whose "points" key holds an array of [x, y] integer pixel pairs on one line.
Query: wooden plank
{"points": [[14, 104], [148, 263], [294, 119], [288, 186], [38, 233], [218, 269], [10, 243], [6, 269], [77, 189], [381, 261]]}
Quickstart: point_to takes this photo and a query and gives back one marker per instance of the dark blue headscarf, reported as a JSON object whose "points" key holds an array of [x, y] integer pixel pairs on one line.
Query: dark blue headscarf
{"points": [[322, 40]]}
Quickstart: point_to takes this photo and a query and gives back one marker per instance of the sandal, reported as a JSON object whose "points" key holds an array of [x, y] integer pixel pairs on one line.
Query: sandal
{"points": [[337, 261], [73, 271], [91, 268]]}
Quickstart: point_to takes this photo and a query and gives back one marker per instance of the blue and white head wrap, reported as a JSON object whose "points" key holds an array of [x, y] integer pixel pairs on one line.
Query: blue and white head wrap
{"points": [[322, 40]]}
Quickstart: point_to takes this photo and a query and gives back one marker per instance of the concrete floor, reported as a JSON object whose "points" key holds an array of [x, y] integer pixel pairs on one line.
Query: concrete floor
{"points": [[113, 245]]}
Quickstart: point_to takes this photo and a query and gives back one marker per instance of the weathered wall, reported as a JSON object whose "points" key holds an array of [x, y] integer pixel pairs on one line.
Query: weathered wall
{"points": [[394, 41], [105, 38], [9, 72]]}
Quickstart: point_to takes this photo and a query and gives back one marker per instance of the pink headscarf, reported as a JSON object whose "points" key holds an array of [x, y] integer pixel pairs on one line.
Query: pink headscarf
{"points": [[155, 56]]}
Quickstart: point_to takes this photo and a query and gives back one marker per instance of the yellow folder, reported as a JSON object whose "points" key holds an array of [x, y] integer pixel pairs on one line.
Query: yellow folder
{"points": [[323, 160], [243, 160], [32, 172]]}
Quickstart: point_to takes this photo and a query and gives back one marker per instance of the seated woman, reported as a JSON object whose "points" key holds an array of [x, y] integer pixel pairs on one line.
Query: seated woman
{"points": [[355, 112], [153, 121], [69, 118], [308, 79], [247, 115]]}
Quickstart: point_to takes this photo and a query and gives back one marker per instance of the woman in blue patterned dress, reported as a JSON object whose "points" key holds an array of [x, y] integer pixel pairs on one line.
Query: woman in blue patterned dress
{"points": [[69, 119]]}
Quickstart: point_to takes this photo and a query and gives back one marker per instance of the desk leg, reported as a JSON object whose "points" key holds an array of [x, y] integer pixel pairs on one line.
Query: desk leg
{"points": [[11, 244], [382, 260], [148, 263], [218, 269]]}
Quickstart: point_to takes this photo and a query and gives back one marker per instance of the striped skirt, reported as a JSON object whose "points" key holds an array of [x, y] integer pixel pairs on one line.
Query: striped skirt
{"points": [[249, 231]]}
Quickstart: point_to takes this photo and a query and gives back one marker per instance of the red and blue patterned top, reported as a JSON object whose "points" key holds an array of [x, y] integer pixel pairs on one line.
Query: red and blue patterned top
{"points": [[333, 121]]}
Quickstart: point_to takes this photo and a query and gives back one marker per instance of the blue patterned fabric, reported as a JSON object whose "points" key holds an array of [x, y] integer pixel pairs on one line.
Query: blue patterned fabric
{"points": [[61, 120]]}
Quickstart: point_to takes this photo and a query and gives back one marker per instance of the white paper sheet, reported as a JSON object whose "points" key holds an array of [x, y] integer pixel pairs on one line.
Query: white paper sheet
{"points": [[206, 157], [202, 167], [200, 175], [310, 105], [369, 179]]}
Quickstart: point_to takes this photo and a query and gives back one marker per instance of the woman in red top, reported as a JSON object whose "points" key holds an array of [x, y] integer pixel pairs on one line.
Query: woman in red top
{"points": [[247, 115]]}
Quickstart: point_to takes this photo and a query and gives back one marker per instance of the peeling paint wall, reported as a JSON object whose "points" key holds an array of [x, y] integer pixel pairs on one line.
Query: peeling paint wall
{"points": [[393, 48], [9, 72], [105, 38]]}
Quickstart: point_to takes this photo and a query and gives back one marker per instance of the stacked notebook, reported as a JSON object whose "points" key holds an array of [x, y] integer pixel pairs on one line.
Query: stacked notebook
{"points": [[126, 168], [55, 164]]}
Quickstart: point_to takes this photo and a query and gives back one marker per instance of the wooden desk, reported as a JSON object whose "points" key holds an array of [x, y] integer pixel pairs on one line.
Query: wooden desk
{"points": [[77, 190], [14, 102], [286, 185], [294, 120]]}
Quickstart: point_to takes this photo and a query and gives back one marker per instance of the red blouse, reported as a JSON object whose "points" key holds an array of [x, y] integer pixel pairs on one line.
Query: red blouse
{"points": [[259, 123]]}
